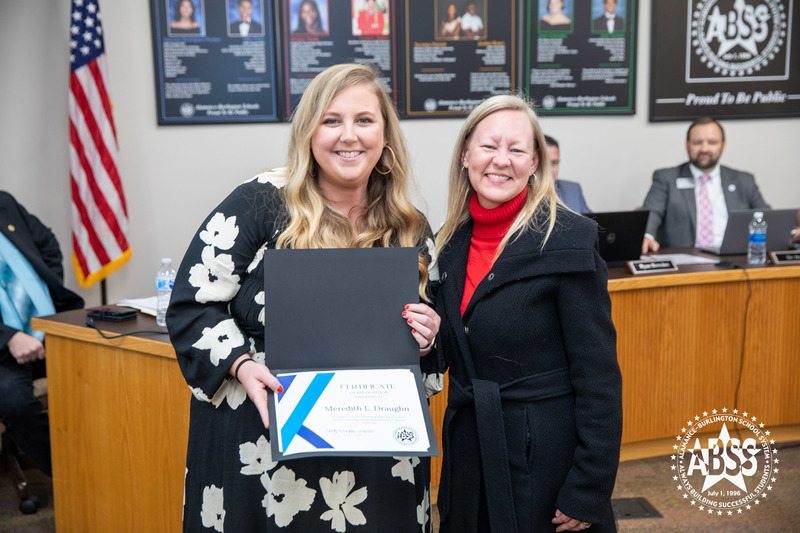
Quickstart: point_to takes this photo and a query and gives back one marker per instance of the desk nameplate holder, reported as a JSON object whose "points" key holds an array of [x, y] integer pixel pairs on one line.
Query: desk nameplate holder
{"points": [[651, 267], [785, 258]]}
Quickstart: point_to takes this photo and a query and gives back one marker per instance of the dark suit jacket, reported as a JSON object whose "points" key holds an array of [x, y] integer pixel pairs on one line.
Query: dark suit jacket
{"points": [[571, 194], [255, 28], [600, 23], [673, 211], [541, 315], [39, 246]]}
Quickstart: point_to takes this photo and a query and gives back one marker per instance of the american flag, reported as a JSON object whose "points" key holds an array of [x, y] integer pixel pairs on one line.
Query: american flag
{"points": [[99, 213]]}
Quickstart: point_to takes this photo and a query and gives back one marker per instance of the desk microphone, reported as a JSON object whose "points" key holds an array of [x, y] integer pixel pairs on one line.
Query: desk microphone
{"points": [[90, 323]]}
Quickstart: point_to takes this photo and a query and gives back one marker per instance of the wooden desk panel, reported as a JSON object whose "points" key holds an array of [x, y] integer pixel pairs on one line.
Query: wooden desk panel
{"points": [[771, 375], [119, 426], [681, 339]]}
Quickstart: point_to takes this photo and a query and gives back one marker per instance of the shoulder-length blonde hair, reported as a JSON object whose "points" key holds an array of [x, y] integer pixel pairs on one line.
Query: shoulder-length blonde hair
{"points": [[539, 211], [389, 219]]}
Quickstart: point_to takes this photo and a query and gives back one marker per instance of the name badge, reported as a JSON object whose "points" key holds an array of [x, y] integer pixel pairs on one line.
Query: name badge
{"points": [[685, 183]]}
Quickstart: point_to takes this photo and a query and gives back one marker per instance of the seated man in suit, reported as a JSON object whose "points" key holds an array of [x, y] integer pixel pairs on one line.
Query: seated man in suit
{"points": [[690, 203], [31, 284], [609, 21], [245, 25], [569, 192]]}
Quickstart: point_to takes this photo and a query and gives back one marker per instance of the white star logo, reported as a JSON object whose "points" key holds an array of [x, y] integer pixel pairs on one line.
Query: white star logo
{"points": [[748, 44], [718, 448]]}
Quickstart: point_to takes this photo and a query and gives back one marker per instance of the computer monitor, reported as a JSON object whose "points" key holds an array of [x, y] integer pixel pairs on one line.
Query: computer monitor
{"points": [[780, 223], [620, 234]]}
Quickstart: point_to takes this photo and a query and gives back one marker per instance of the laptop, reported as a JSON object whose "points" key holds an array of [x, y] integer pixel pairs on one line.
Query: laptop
{"points": [[621, 234], [780, 223]]}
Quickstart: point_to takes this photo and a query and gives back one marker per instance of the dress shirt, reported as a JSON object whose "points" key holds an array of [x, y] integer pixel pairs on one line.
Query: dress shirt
{"points": [[244, 27], [610, 21], [717, 197], [471, 22]]}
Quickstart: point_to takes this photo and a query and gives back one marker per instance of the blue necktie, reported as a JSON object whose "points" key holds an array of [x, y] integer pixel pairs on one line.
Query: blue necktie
{"points": [[23, 294]]}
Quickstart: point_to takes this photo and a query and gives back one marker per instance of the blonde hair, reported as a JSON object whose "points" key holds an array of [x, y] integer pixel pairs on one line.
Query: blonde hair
{"points": [[539, 210], [389, 219]]}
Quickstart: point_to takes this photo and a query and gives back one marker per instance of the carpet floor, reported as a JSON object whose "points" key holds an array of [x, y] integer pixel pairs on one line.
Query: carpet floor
{"points": [[650, 479]]}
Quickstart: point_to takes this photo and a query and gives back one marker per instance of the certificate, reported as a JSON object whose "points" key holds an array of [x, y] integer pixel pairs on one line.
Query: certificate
{"points": [[365, 411], [338, 343]]}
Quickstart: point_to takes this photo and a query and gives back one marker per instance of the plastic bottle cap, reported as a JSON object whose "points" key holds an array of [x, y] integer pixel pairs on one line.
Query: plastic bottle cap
{"points": [[165, 260], [758, 214]]}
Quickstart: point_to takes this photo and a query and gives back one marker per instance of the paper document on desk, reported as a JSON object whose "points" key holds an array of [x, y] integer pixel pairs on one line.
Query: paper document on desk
{"points": [[680, 259], [145, 305]]}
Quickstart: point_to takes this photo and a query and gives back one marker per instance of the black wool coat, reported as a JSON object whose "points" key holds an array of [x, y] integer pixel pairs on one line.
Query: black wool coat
{"points": [[534, 416]]}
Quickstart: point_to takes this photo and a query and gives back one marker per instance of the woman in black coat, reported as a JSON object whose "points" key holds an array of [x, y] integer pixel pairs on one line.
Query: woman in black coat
{"points": [[534, 418]]}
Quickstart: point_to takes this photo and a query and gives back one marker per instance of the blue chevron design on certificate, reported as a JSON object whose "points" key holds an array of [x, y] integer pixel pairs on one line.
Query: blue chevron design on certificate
{"points": [[301, 411]]}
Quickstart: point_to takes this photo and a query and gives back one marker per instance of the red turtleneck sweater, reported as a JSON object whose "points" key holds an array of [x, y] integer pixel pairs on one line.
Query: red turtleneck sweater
{"points": [[490, 226]]}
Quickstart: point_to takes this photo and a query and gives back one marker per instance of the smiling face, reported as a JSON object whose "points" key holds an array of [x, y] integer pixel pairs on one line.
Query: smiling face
{"points": [[611, 6], [451, 11], [499, 157], [186, 9], [555, 6], [308, 14], [349, 141], [245, 8], [705, 146]]}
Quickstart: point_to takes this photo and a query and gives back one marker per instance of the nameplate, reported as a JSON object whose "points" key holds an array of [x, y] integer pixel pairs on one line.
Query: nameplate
{"points": [[785, 258], [650, 267]]}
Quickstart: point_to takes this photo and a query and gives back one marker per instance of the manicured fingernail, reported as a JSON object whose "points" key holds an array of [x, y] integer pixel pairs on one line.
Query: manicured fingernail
{"points": [[410, 321], [404, 313], [413, 331], [406, 307], [280, 390]]}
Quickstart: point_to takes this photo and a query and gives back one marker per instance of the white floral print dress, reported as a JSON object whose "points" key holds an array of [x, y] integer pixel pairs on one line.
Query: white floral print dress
{"points": [[216, 314]]}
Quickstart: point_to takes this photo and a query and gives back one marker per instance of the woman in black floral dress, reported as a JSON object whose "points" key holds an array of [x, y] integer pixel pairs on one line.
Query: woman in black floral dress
{"points": [[344, 186]]}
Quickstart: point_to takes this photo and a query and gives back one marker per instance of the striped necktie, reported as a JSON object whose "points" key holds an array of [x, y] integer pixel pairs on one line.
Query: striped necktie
{"points": [[705, 215]]}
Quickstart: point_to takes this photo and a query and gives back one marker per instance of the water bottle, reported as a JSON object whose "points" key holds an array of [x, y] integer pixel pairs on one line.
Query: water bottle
{"points": [[757, 243], [164, 280]]}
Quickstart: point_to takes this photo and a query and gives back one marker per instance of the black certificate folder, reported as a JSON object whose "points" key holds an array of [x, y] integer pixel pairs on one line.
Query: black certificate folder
{"points": [[338, 312]]}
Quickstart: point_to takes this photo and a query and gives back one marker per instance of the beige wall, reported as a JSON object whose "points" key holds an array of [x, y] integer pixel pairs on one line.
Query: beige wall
{"points": [[174, 175]]}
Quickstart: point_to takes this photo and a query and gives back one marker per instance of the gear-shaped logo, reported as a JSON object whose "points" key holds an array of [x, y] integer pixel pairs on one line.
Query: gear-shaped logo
{"points": [[736, 39], [730, 468]]}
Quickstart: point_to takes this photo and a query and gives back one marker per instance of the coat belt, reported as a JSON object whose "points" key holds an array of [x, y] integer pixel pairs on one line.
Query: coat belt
{"points": [[487, 398]]}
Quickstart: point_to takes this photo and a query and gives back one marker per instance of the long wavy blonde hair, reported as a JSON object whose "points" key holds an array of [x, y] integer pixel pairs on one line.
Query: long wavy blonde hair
{"points": [[539, 211], [389, 219]]}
